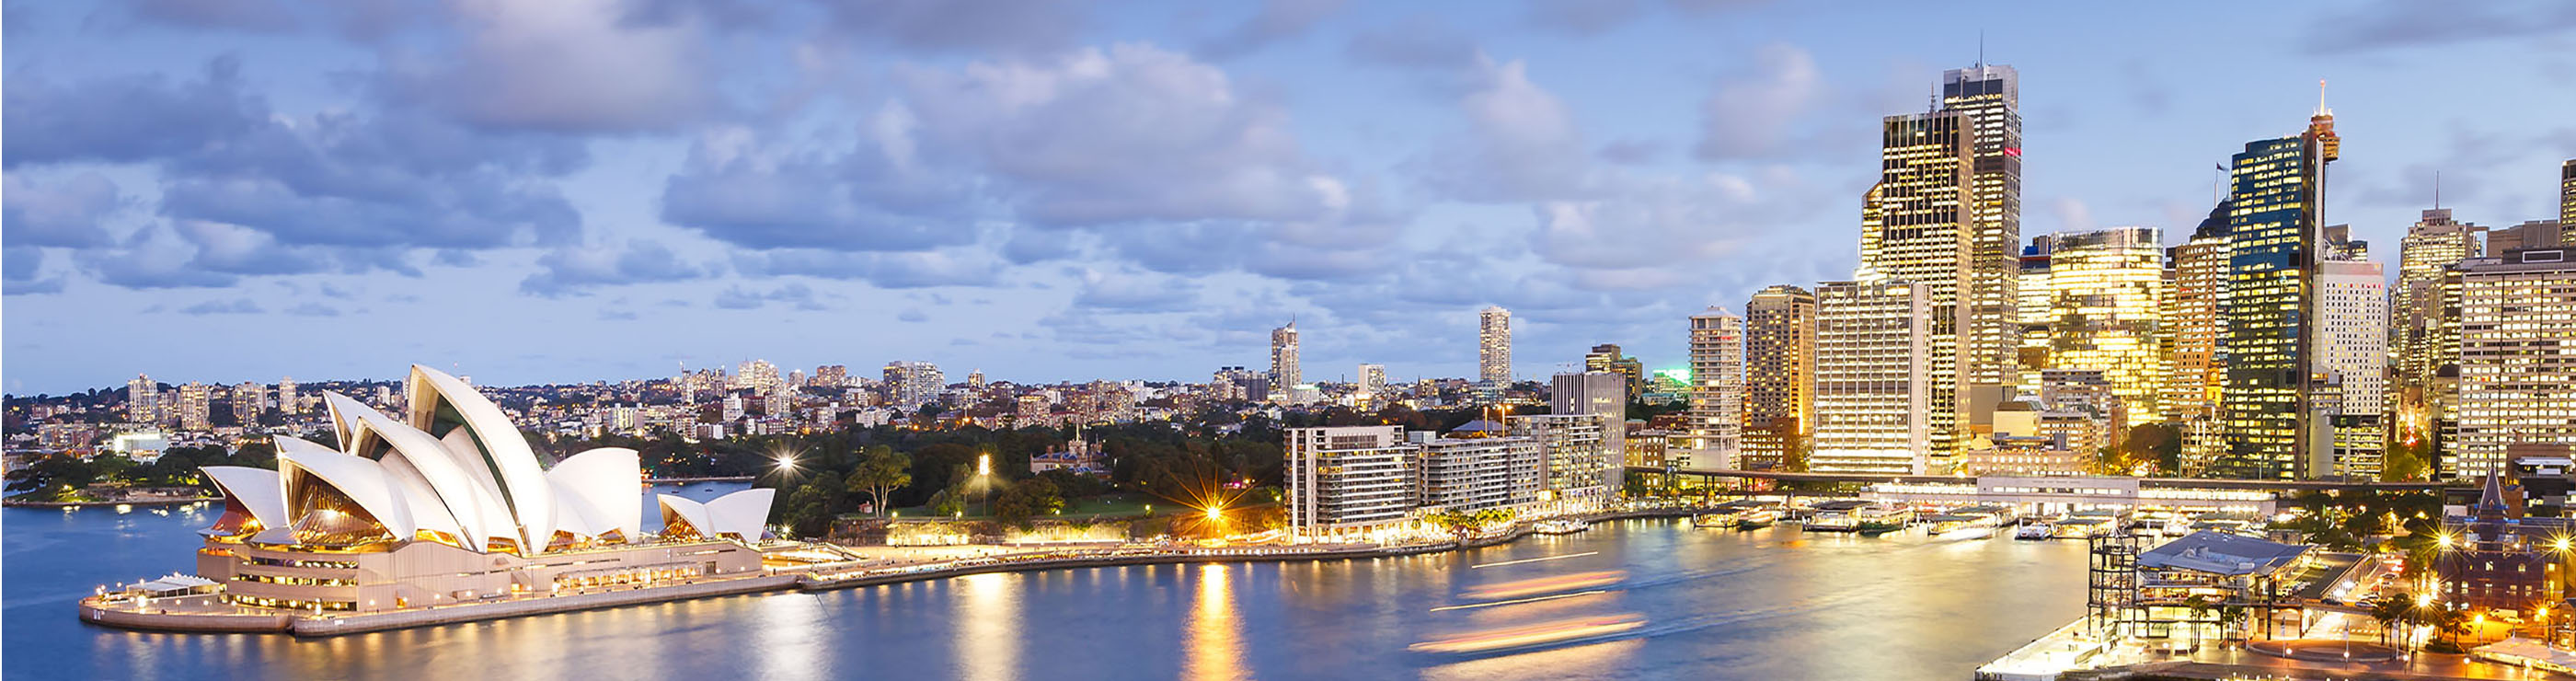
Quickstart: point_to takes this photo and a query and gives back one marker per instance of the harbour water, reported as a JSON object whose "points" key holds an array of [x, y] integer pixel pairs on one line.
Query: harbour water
{"points": [[1762, 604]]}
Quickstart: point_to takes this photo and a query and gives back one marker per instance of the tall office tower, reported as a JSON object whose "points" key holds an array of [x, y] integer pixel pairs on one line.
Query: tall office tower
{"points": [[142, 400], [2352, 313], [1347, 480], [1779, 378], [2031, 310], [1924, 236], [1283, 358], [2276, 194], [2567, 192], [1716, 416], [1606, 357], [248, 401], [2107, 290], [1372, 379], [2529, 234], [286, 397], [1874, 379], [909, 385], [196, 404], [2200, 266], [2426, 325], [1990, 95], [2517, 350], [2352, 356], [1494, 345]]}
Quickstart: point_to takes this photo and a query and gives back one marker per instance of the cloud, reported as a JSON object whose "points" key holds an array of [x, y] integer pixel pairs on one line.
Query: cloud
{"points": [[750, 192], [235, 306], [739, 298], [313, 310], [1132, 291], [1752, 114], [1582, 17], [1522, 143], [2398, 24], [1420, 42], [572, 270], [254, 16], [948, 267], [976, 26], [561, 66], [20, 267], [1278, 20], [66, 213], [912, 314], [125, 118]]}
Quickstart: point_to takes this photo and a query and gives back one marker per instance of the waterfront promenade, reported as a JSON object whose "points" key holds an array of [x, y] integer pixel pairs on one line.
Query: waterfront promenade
{"points": [[790, 566]]}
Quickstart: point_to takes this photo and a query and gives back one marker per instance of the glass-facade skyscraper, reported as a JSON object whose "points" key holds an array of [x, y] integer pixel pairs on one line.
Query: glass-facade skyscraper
{"points": [[2276, 192]]}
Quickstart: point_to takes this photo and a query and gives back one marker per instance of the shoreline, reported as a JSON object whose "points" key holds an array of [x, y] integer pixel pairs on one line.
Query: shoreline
{"points": [[17, 503], [807, 580]]}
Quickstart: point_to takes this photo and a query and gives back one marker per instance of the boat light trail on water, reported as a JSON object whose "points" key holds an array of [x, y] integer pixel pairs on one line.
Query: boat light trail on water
{"points": [[1519, 601], [1533, 560]]}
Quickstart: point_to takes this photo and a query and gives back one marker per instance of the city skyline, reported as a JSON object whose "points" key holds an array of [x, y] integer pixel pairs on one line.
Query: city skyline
{"points": [[1606, 192]]}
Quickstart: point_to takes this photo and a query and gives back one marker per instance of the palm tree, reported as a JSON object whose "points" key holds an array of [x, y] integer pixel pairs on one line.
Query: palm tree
{"points": [[2229, 616], [2390, 610], [2200, 606]]}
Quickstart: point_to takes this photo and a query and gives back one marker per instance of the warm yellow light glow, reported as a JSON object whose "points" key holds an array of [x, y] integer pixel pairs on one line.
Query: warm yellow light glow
{"points": [[1214, 513], [2561, 544], [2423, 600], [983, 464]]}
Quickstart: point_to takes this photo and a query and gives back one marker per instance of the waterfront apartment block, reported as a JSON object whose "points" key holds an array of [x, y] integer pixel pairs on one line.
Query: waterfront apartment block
{"points": [[1874, 379], [2517, 350], [1716, 415], [1349, 479], [1461, 474], [1578, 470]]}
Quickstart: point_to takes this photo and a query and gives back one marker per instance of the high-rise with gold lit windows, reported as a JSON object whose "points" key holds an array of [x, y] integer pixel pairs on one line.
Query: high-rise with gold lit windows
{"points": [[1874, 379], [1990, 96], [2517, 350], [1779, 377], [2275, 195], [1924, 237], [1493, 352], [2032, 311], [2425, 321], [2106, 300], [2199, 291]]}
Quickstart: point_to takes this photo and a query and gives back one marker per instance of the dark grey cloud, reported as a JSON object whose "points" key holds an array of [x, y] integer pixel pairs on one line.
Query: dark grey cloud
{"points": [[977, 26], [258, 193], [570, 270], [65, 213], [21, 269], [2396, 24], [1277, 20], [877, 197]]}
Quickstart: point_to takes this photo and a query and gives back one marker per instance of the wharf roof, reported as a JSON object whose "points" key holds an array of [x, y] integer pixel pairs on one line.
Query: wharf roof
{"points": [[2222, 553]]}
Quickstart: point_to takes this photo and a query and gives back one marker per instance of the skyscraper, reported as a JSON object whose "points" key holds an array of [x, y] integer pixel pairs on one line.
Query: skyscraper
{"points": [[1779, 377], [1716, 413], [2426, 320], [2529, 234], [1494, 346], [1921, 215], [2517, 319], [286, 397], [142, 400], [1284, 372], [2567, 192], [2352, 356], [909, 385], [1604, 395], [2199, 292], [2106, 300], [248, 401], [1874, 379], [1990, 95], [2031, 311], [196, 405], [2274, 201]]}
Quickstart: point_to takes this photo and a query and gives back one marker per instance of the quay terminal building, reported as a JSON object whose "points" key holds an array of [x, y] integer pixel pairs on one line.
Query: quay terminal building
{"points": [[444, 506]]}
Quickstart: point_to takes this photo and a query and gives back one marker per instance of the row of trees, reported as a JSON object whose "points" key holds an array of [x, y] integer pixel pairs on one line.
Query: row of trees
{"points": [[60, 477]]}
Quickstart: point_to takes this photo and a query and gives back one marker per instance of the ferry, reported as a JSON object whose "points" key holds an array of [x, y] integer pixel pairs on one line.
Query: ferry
{"points": [[1955, 527], [2082, 528], [2033, 529], [1860, 516], [1719, 518], [1757, 519], [1560, 526]]}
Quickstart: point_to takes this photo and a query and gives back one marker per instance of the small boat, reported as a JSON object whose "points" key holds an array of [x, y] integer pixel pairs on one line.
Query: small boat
{"points": [[2081, 528], [1560, 526], [1955, 527], [2033, 530], [1757, 519], [1860, 516]]}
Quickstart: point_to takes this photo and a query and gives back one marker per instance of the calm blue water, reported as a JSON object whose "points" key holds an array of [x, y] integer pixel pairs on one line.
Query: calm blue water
{"points": [[1768, 604]]}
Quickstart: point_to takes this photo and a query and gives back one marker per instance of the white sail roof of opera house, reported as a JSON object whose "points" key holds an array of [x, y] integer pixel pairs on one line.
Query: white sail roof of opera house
{"points": [[456, 471]]}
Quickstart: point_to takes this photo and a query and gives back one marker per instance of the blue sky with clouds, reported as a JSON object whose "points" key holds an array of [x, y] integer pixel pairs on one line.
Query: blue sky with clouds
{"points": [[575, 190]]}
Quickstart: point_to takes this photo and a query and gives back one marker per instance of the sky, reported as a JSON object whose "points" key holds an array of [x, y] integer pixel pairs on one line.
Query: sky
{"points": [[579, 190]]}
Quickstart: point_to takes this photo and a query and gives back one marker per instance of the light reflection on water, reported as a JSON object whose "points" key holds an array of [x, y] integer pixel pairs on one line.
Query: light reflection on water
{"points": [[1717, 604]]}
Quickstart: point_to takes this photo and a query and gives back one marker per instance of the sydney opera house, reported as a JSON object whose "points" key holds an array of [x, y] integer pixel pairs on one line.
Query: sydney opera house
{"points": [[448, 505]]}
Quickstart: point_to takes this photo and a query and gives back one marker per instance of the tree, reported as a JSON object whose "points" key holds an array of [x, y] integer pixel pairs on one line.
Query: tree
{"points": [[1027, 499], [2404, 461], [881, 470], [2390, 610], [2200, 605]]}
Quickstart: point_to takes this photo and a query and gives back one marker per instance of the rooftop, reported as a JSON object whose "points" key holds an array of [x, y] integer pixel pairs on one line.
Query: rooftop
{"points": [[2222, 553]]}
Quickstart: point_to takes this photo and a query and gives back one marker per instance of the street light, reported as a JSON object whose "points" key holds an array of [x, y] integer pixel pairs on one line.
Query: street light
{"points": [[984, 472]]}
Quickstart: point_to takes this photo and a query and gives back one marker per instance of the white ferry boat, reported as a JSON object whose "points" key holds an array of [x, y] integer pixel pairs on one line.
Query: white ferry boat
{"points": [[1560, 526], [2034, 529]]}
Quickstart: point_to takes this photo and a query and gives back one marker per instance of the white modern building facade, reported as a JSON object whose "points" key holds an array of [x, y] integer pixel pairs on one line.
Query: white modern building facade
{"points": [[1346, 481], [1874, 379], [2517, 348], [1716, 412]]}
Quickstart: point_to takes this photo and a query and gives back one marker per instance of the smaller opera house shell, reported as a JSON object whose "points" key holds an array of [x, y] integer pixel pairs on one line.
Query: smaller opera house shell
{"points": [[449, 505]]}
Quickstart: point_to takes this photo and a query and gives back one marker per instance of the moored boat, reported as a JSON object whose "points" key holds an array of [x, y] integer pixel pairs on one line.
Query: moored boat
{"points": [[2033, 529], [1560, 526], [1757, 519]]}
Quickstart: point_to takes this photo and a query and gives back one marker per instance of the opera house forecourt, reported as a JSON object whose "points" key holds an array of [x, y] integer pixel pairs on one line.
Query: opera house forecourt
{"points": [[446, 515]]}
